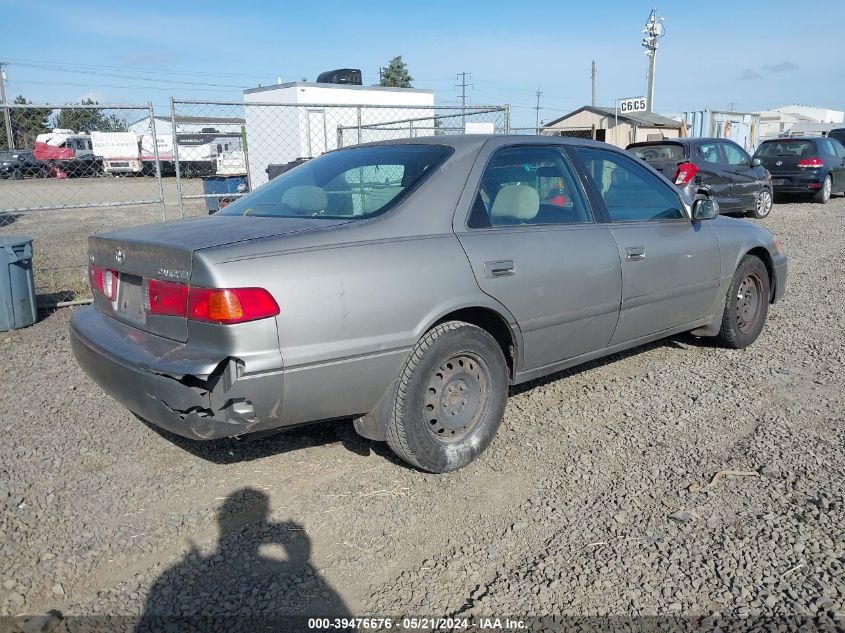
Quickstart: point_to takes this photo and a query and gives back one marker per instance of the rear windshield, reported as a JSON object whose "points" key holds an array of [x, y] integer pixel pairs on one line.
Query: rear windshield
{"points": [[352, 183], [788, 147], [659, 151]]}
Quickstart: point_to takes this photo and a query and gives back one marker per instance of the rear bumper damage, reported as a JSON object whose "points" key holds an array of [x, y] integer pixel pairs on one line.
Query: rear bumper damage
{"points": [[193, 393]]}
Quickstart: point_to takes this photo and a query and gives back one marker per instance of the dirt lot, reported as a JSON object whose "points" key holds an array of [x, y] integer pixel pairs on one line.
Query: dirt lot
{"points": [[600, 495]]}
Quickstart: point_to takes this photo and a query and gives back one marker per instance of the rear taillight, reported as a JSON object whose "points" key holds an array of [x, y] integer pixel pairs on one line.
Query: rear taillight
{"points": [[811, 163], [103, 281], [165, 298], [214, 305], [230, 305], [685, 173]]}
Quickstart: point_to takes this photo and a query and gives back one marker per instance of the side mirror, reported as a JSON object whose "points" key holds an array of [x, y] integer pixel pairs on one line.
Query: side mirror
{"points": [[705, 209], [756, 162]]}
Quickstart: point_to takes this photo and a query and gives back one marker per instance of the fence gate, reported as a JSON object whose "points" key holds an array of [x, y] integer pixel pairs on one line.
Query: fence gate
{"points": [[67, 171]]}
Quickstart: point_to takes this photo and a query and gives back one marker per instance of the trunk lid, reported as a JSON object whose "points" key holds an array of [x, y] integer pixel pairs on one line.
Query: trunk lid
{"points": [[165, 251]]}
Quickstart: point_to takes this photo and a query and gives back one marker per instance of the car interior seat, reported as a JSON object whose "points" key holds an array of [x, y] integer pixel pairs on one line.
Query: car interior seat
{"points": [[515, 204]]}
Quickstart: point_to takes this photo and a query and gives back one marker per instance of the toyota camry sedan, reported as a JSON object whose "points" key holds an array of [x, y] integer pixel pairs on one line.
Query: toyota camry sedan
{"points": [[407, 284]]}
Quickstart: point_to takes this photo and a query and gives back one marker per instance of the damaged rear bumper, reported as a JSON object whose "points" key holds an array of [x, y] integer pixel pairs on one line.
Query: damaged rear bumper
{"points": [[193, 393]]}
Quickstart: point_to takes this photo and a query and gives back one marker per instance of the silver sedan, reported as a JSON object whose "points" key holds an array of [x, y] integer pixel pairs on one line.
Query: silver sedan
{"points": [[407, 284]]}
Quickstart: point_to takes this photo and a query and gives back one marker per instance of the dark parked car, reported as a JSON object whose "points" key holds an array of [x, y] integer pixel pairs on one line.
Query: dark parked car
{"points": [[407, 284], [17, 164], [838, 134], [805, 165], [737, 182]]}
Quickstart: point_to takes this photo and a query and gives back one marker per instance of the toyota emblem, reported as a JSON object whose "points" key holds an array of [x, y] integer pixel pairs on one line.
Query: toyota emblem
{"points": [[779, 163], [119, 257]]}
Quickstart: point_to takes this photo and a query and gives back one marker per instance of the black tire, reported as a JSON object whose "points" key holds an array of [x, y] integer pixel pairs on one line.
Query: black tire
{"points": [[762, 205], [450, 398], [822, 196], [746, 305], [17, 174]]}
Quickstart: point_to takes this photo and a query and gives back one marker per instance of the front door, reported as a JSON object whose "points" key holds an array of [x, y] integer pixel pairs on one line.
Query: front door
{"points": [[670, 265], [534, 246], [745, 179]]}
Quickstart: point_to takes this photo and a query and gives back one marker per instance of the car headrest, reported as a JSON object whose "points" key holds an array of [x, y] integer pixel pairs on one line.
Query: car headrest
{"points": [[516, 201], [306, 199]]}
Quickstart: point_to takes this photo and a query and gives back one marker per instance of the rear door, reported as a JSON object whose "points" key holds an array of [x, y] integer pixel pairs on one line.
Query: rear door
{"points": [[670, 265], [713, 172], [534, 246], [745, 179]]}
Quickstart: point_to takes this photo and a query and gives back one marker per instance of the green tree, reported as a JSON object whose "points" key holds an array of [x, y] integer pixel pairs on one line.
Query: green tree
{"points": [[396, 74], [89, 119], [27, 123]]}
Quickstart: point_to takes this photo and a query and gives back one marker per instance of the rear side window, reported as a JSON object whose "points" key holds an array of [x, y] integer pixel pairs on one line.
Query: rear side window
{"points": [[528, 185], [795, 148], [630, 192], [709, 153], [659, 151]]}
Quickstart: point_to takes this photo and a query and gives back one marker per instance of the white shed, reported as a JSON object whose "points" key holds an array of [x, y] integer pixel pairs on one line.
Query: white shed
{"points": [[301, 119]]}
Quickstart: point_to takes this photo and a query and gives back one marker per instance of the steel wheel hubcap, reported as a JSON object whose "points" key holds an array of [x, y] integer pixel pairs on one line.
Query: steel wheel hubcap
{"points": [[748, 303], [455, 397], [764, 203]]}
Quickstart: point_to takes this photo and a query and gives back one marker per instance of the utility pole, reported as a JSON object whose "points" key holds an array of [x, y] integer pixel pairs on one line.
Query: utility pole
{"points": [[593, 76], [537, 123], [7, 119], [653, 31], [463, 86]]}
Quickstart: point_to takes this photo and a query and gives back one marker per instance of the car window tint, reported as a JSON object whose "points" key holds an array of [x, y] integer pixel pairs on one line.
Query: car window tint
{"points": [[787, 147], [829, 149], [709, 153], [631, 193], [838, 147], [665, 151], [734, 155], [351, 183], [528, 185]]}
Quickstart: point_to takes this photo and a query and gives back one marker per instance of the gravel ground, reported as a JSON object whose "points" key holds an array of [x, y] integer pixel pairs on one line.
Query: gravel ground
{"points": [[601, 495]]}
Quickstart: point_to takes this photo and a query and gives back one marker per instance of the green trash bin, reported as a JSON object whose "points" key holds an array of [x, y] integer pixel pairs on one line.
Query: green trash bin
{"points": [[17, 285]]}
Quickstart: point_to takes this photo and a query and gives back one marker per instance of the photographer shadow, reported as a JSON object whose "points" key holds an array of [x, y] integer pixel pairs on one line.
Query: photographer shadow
{"points": [[259, 578]]}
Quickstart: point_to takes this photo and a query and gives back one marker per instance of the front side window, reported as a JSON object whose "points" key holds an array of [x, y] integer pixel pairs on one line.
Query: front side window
{"points": [[630, 192], [352, 183], [735, 156], [528, 185]]}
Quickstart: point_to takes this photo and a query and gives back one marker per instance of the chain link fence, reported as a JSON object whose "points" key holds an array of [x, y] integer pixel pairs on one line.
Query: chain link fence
{"points": [[573, 132], [247, 144], [68, 171]]}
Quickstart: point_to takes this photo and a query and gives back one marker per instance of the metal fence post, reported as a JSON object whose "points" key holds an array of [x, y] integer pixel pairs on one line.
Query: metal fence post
{"points": [[358, 109], [157, 161], [339, 136], [507, 119], [176, 159]]}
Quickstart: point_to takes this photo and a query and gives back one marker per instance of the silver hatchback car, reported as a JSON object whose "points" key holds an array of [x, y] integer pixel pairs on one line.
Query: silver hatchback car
{"points": [[407, 284]]}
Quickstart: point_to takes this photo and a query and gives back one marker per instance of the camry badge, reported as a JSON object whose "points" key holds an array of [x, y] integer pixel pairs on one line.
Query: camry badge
{"points": [[119, 257]]}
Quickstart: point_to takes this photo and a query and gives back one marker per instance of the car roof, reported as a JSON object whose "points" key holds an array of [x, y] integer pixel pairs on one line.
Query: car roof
{"points": [[477, 141], [794, 138]]}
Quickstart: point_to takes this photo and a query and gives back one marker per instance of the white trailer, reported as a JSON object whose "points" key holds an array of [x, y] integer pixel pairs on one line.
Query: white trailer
{"points": [[304, 119], [121, 151]]}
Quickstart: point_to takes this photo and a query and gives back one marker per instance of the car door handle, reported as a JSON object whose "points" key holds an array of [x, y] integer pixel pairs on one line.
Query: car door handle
{"points": [[500, 268], [634, 253]]}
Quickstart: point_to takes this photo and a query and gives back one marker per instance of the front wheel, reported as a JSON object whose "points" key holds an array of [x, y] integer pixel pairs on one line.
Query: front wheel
{"points": [[450, 398], [746, 305], [763, 204], [822, 196]]}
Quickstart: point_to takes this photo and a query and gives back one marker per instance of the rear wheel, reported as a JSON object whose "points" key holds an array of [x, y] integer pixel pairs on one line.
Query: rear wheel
{"points": [[450, 398], [763, 204], [746, 305], [17, 174], [823, 195]]}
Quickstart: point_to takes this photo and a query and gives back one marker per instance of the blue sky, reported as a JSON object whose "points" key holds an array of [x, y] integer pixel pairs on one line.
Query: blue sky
{"points": [[715, 54]]}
